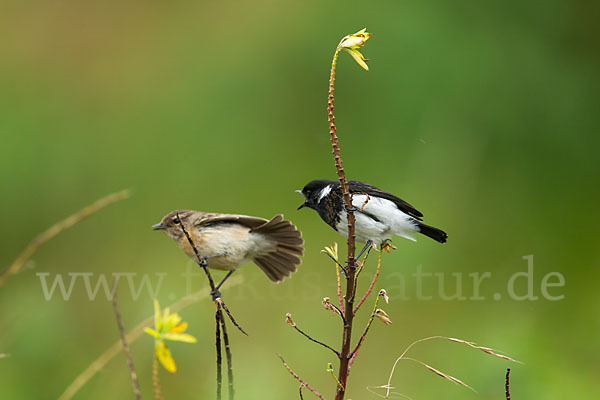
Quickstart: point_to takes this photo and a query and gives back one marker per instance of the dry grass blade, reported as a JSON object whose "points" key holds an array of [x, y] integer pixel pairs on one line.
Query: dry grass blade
{"points": [[394, 395], [486, 350], [132, 336], [441, 374], [470, 344], [57, 228]]}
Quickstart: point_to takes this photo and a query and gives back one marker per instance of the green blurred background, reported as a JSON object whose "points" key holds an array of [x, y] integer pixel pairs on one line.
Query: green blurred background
{"points": [[482, 114]]}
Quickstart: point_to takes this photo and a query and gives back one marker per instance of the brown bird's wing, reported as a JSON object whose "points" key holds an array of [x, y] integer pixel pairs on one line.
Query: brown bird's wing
{"points": [[250, 222], [281, 262]]}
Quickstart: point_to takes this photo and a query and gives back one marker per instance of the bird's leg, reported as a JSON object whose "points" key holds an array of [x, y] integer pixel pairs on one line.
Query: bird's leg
{"points": [[203, 262], [367, 245], [215, 293]]}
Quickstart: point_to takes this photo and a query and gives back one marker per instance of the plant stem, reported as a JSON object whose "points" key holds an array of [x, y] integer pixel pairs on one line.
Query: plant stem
{"points": [[131, 336], [220, 321], [156, 380], [57, 228], [507, 384], [350, 274], [306, 335], [368, 292], [302, 381], [219, 356], [364, 335], [134, 380], [227, 354]]}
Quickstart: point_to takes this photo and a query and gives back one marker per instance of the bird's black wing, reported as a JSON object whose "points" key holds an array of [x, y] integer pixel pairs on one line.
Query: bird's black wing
{"points": [[364, 188]]}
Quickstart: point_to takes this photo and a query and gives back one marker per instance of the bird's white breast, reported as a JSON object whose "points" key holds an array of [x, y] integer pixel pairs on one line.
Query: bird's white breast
{"points": [[390, 222]]}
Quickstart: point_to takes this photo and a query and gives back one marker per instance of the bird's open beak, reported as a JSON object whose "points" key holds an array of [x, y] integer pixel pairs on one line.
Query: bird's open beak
{"points": [[303, 204], [158, 227]]}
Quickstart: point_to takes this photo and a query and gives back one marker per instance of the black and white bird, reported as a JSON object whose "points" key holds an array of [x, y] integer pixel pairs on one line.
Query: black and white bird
{"points": [[379, 215]]}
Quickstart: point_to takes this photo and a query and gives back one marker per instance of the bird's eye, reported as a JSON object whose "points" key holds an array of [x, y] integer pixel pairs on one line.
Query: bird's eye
{"points": [[176, 221]]}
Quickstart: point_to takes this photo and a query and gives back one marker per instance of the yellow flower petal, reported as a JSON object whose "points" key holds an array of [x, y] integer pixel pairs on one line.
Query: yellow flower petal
{"points": [[170, 322], [355, 40], [164, 356], [179, 327], [156, 315], [152, 332], [180, 337], [358, 58]]}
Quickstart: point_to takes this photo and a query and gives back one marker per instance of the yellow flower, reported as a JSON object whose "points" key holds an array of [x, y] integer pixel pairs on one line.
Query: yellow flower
{"points": [[352, 43], [167, 326]]}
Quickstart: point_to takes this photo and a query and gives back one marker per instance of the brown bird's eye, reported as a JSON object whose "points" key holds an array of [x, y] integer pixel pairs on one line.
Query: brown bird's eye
{"points": [[176, 221]]}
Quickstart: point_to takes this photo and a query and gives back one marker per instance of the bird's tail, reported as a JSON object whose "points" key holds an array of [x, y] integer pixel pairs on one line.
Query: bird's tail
{"points": [[285, 256], [434, 233]]}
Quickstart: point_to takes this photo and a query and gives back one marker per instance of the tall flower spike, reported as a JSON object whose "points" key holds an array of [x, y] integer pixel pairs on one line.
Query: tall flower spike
{"points": [[352, 43], [167, 326]]}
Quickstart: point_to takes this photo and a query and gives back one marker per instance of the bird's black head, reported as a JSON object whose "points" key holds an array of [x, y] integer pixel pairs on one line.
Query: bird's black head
{"points": [[313, 192]]}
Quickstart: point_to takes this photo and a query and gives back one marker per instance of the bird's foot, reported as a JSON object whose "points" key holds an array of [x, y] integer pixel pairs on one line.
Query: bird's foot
{"points": [[387, 246], [215, 294], [203, 262]]}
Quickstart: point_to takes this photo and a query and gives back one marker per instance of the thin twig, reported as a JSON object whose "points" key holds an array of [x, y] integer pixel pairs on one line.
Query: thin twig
{"points": [[134, 380], [300, 391], [339, 290], [233, 321], [302, 381], [156, 380], [132, 336], [220, 319], [367, 327], [368, 292], [57, 228], [218, 316], [337, 353], [231, 390], [507, 385]]}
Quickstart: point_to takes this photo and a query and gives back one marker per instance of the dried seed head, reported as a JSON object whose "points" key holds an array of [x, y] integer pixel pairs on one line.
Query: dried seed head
{"points": [[383, 294], [382, 316], [328, 306], [289, 320]]}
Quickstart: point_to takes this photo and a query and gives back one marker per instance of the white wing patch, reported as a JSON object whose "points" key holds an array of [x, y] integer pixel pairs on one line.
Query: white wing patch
{"points": [[324, 192], [391, 220]]}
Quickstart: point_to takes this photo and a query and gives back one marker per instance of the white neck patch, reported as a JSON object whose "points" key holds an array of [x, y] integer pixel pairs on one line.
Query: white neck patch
{"points": [[324, 192]]}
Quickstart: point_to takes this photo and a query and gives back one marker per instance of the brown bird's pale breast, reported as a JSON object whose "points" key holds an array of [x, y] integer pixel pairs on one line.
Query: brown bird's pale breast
{"points": [[232, 244]]}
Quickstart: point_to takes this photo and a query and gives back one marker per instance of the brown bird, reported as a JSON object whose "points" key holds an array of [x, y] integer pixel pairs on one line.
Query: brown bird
{"points": [[227, 241]]}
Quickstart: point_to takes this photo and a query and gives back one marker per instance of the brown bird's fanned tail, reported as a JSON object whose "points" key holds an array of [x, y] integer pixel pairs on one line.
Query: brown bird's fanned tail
{"points": [[284, 258]]}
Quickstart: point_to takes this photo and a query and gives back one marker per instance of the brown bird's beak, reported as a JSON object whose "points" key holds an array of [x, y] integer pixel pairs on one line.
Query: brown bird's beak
{"points": [[158, 227]]}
